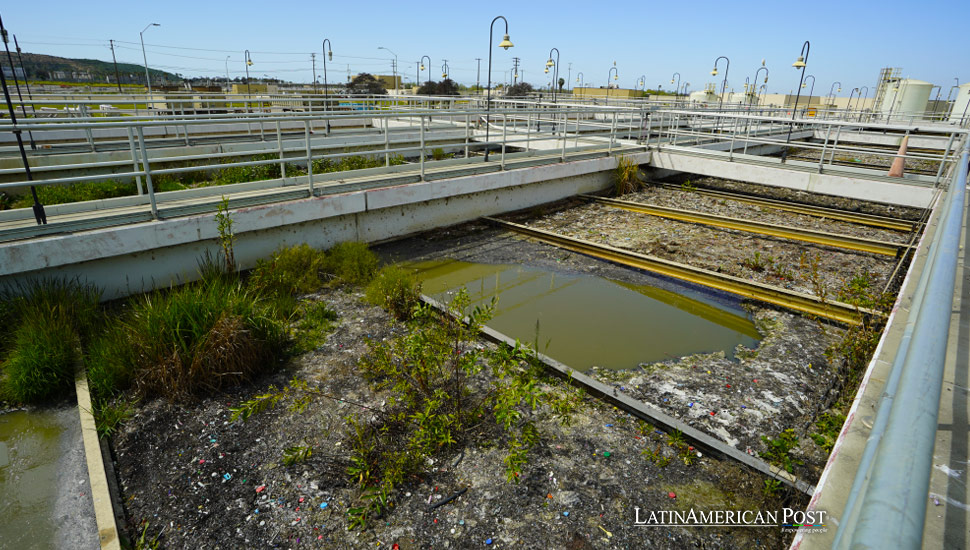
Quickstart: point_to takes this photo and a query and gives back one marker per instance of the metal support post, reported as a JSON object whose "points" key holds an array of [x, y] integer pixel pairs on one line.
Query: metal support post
{"points": [[504, 134], [134, 159], [612, 134], [939, 171], [467, 133], [835, 144], [422, 147], [309, 156], [146, 167], [821, 157], [279, 146], [387, 142]]}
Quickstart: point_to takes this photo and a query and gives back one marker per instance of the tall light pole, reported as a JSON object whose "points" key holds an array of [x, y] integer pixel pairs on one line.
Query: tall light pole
{"points": [[832, 93], [327, 54], [505, 43], [395, 64], [422, 67], [249, 88], [579, 79], [677, 89], [615, 77], [313, 60], [643, 83], [228, 86], [755, 81], [555, 71], [799, 63], [145, 59], [727, 68], [811, 91]]}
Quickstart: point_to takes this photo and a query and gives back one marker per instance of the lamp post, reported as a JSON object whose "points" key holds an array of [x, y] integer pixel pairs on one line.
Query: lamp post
{"points": [[811, 91], [313, 60], [677, 89], [249, 88], [555, 72], [228, 86], [950, 93], [145, 59], [848, 104], [579, 79], [327, 54], [862, 108], [727, 68], [395, 64], [444, 69], [506, 44], [755, 81], [799, 63], [615, 77], [642, 83], [421, 68], [832, 93]]}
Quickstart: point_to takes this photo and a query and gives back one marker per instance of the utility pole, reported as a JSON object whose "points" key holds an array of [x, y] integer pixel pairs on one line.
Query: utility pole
{"points": [[515, 70], [478, 76], [13, 72], [24, 70], [313, 59], [569, 75], [113, 59]]}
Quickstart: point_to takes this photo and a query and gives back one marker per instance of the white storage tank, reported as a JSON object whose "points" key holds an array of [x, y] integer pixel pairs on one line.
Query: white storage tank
{"points": [[707, 95], [960, 110], [742, 98], [906, 99]]}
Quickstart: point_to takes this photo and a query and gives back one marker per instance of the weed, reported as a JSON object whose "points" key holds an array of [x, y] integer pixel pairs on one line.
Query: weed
{"points": [[289, 271], [757, 263], [676, 439], [828, 426], [297, 453], [689, 187], [438, 153], [396, 290], [772, 488], [780, 450], [226, 236], [626, 176], [315, 322], [110, 414], [145, 543], [352, 263], [656, 455]]}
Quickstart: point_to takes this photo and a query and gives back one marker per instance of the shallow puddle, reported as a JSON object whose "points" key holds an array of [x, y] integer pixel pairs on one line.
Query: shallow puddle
{"points": [[29, 451], [584, 321]]}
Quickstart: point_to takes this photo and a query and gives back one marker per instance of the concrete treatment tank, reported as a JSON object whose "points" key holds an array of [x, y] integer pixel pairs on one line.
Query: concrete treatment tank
{"points": [[906, 100], [960, 113], [707, 95]]}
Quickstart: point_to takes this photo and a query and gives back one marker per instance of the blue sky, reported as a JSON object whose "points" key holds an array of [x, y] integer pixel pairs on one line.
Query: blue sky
{"points": [[850, 40]]}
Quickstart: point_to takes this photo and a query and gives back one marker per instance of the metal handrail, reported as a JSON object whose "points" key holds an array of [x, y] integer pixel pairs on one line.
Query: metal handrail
{"points": [[887, 502]]}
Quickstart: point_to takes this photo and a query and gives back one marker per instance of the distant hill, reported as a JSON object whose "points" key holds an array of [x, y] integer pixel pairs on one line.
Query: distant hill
{"points": [[49, 67]]}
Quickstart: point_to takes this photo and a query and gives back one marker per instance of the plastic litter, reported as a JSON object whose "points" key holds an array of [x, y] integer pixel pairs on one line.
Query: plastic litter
{"points": [[672, 494], [606, 454], [323, 505], [566, 514], [488, 541]]}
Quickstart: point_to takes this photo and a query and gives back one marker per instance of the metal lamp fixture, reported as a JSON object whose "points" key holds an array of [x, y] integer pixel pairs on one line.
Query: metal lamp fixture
{"points": [[326, 47], [505, 44], [727, 69], [798, 64]]}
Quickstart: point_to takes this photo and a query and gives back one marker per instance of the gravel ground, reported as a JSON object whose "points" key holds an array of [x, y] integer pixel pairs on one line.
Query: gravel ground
{"points": [[869, 160], [206, 482]]}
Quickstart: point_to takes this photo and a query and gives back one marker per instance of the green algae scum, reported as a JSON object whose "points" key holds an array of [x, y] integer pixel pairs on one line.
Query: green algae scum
{"points": [[584, 321], [29, 452]]}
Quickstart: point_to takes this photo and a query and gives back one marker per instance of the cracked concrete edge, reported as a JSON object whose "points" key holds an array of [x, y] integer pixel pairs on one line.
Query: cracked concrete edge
{"points": [[100, 495]]}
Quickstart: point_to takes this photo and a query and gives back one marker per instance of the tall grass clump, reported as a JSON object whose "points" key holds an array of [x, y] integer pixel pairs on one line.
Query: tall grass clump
{"points": [[626, 176], [200, 337], [396, 290], [352, 263], [290, 271], [48, 321]]}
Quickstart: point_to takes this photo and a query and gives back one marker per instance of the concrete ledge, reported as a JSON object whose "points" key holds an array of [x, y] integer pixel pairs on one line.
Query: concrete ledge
{"points": [[103, 512]]}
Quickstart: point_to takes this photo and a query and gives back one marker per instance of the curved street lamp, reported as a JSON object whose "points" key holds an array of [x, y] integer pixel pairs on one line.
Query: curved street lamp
{"points": [[799, 63], [677, 89], [615, 77], [727, 68], [555, 71], [327, 54], [811, 91], [579, 78], [444, 69], [395, 64], [422, 66], [249, 90], [505, 43], [848, 103], [148, 78], [832, 93], [762, 67]]}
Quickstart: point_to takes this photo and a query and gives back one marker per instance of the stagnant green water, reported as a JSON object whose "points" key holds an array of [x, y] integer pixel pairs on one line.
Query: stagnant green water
{"points": [[585, 320], [29, 450]]}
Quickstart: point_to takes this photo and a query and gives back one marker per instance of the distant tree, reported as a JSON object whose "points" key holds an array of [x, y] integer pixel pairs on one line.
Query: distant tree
{"points": [[366, 84], [562, 82], [447, 87], [428, 88], [521, 89]]}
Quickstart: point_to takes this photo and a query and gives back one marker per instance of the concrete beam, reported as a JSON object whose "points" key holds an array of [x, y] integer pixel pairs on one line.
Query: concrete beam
{"points": [[900, 193]]}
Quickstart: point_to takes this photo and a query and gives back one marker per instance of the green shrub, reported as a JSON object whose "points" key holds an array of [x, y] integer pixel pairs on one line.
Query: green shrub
{"points": [[396, 290], [290, 271], [626, 176], [352, 262], [315, 322]]}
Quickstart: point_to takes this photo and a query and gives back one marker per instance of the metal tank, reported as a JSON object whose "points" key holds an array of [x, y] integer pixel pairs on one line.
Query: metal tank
{"points": [[707, 95], [906, 100], [960, 113]]}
